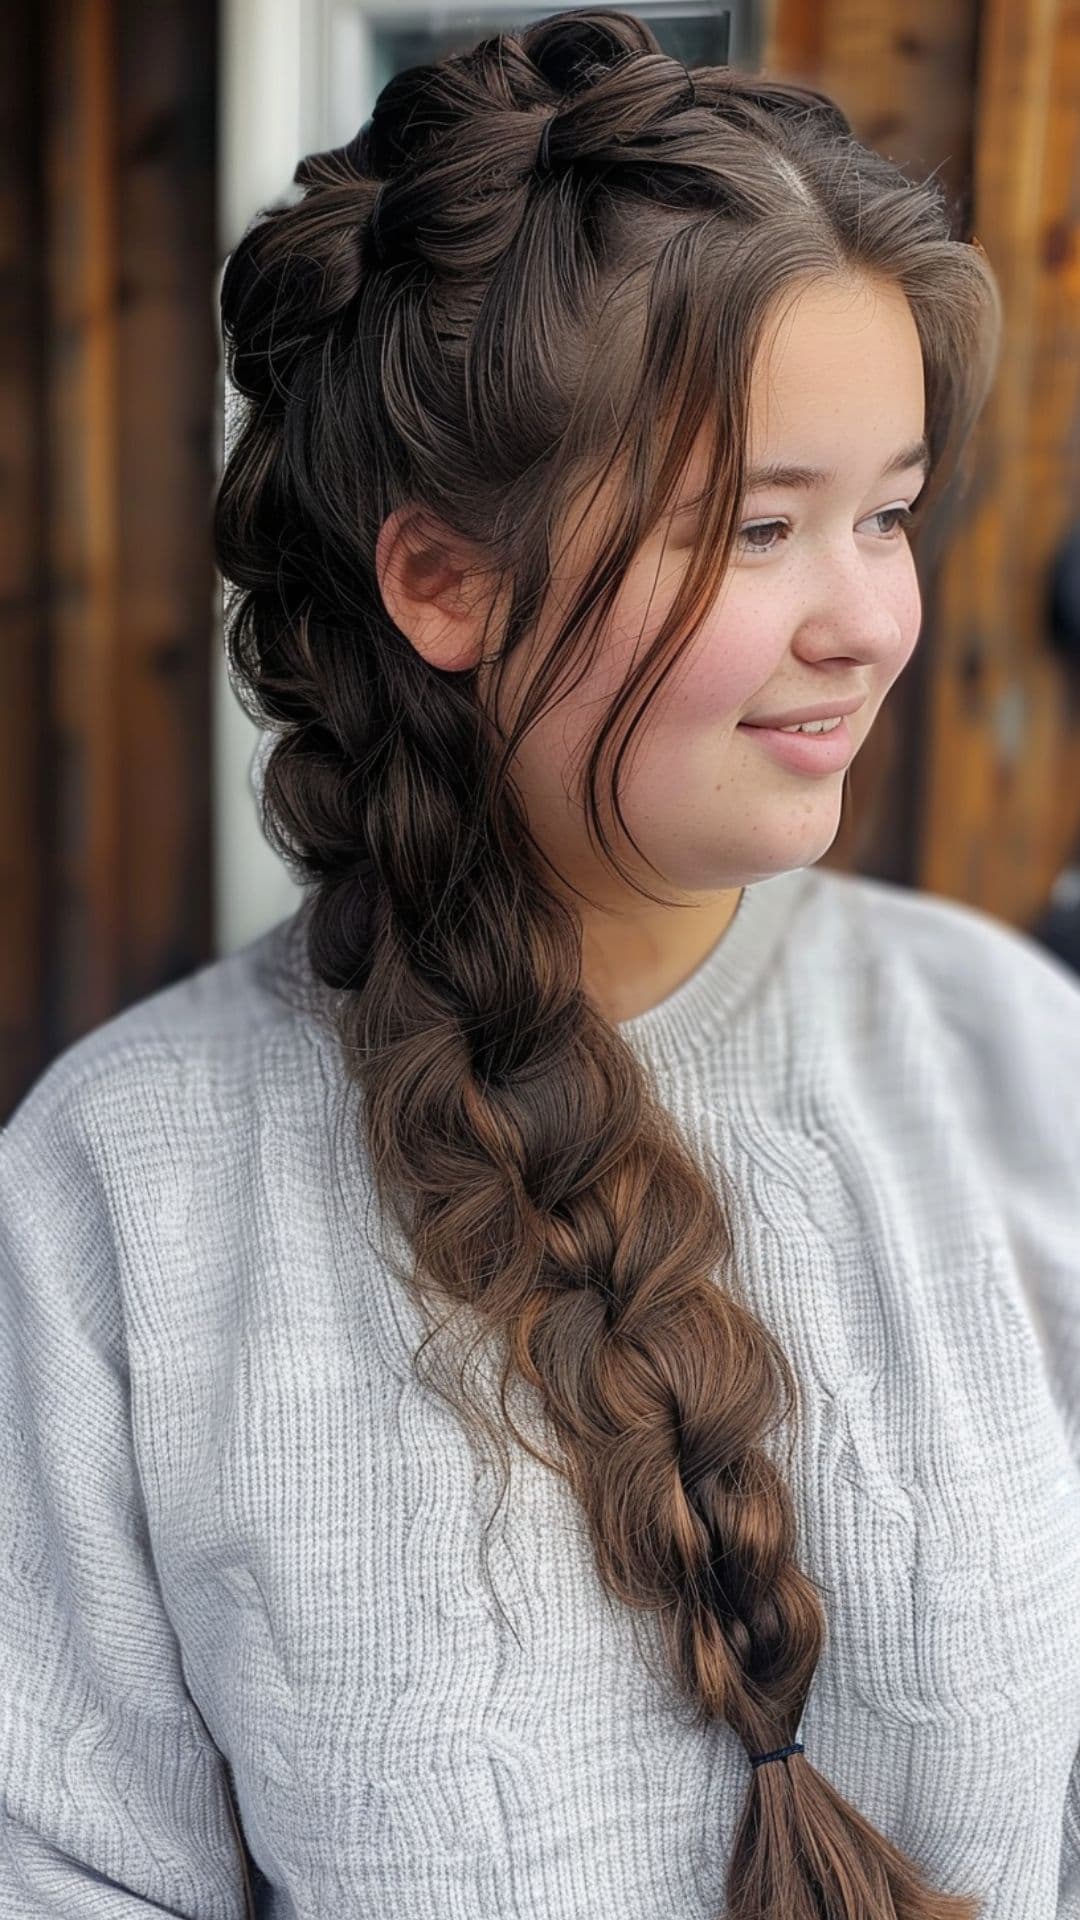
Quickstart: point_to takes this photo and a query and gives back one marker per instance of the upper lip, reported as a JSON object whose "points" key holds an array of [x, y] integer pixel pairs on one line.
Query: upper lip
{"points": [[826, 711]]}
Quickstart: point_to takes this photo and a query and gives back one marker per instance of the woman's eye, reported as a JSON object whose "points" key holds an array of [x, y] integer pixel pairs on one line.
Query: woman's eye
{"points": [[779, 527], [903, 519]]}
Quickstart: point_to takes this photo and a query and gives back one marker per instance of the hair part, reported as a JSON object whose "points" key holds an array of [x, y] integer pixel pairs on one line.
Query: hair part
{"points": [[519, 340]]}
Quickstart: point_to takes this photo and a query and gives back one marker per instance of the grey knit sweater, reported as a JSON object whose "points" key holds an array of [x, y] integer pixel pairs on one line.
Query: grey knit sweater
{"points": [[255, 1628]]}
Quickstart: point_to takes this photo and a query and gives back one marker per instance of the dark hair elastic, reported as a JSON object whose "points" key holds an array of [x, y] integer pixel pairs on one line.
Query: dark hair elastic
{"points": [[759, 1759]]}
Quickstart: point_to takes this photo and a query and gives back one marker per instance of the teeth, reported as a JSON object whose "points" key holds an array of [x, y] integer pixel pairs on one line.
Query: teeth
{"points": [[813, 726]]}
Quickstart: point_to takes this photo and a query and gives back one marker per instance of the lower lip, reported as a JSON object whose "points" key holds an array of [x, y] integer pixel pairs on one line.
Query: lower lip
{"points": [[805, 752]]}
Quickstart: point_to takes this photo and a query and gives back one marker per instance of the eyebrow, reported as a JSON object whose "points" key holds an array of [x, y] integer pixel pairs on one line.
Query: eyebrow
{"points": [[806, 478]]}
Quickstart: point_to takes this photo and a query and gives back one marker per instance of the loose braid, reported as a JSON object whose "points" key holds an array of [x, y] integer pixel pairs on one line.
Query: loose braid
{"points": [[480, 350]]}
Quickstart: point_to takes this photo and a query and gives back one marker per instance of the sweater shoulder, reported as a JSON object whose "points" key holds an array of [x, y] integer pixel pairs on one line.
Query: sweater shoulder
{"points": [[954, 946], [1005, 1009], [218, 1024]]}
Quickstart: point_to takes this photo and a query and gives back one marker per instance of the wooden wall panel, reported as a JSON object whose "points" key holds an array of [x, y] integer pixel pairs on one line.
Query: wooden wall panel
{"points": [[1001, 813], [107, 882], [23, 742], [84, 533], [167, 342]]}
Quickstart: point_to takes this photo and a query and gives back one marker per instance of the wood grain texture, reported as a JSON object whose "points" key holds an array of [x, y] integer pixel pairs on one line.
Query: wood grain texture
{"points": [[1002, 804], [23, 709], [107, 873]]}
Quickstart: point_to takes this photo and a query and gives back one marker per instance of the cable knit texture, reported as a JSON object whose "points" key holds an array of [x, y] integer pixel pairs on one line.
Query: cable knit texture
{"points": [[249, 1584]]}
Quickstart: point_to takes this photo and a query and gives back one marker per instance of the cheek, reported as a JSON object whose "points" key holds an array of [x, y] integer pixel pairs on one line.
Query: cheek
{"points": [[732, 659]]}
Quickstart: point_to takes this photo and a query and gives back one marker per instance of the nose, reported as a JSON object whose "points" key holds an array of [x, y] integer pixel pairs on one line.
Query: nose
{"points": [[859, 609]]}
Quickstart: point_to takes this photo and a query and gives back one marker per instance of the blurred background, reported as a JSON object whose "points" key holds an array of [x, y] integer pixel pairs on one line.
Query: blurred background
{"points": [[139, 138]]}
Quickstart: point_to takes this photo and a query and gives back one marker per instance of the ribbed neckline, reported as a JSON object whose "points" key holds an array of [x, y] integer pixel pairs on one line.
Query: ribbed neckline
{"points": [[668, 1034], [705, 1004]]}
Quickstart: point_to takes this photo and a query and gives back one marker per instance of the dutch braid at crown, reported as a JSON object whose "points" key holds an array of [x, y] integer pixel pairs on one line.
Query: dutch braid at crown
{"points": [[421, 325]]}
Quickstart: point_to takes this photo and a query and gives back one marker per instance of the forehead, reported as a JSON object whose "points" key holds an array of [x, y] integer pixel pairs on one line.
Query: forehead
{"points": [[838, 379]]}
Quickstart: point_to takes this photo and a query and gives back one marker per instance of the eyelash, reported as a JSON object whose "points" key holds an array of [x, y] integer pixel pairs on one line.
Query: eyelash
{"points": [[906, 518]]}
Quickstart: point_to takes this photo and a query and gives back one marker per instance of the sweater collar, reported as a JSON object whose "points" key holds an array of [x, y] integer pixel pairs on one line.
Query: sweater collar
{"points": [[699, 1010], [669, 1034]]}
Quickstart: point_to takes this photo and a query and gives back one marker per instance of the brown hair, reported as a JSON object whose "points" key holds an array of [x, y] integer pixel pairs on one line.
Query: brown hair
{"points": [[504, 333]]}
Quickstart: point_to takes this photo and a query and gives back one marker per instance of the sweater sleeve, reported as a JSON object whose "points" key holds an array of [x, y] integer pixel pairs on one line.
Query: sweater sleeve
{"points": [[1014, 1021], [115, 1802], [1018, 1021]]}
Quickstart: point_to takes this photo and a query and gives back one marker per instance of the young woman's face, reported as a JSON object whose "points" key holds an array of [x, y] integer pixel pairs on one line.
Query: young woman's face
{"points": [[820, 605]]}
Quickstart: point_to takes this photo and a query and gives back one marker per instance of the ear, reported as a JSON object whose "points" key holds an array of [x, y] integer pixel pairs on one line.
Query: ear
{"points": [[434, 588]]}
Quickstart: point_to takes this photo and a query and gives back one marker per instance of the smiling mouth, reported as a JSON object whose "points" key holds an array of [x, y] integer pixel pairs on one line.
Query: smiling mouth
{"points": [[805, 753]]}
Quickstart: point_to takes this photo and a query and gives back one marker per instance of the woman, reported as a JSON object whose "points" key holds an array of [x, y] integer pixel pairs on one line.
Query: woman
{"points": [[592, 1093]]}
